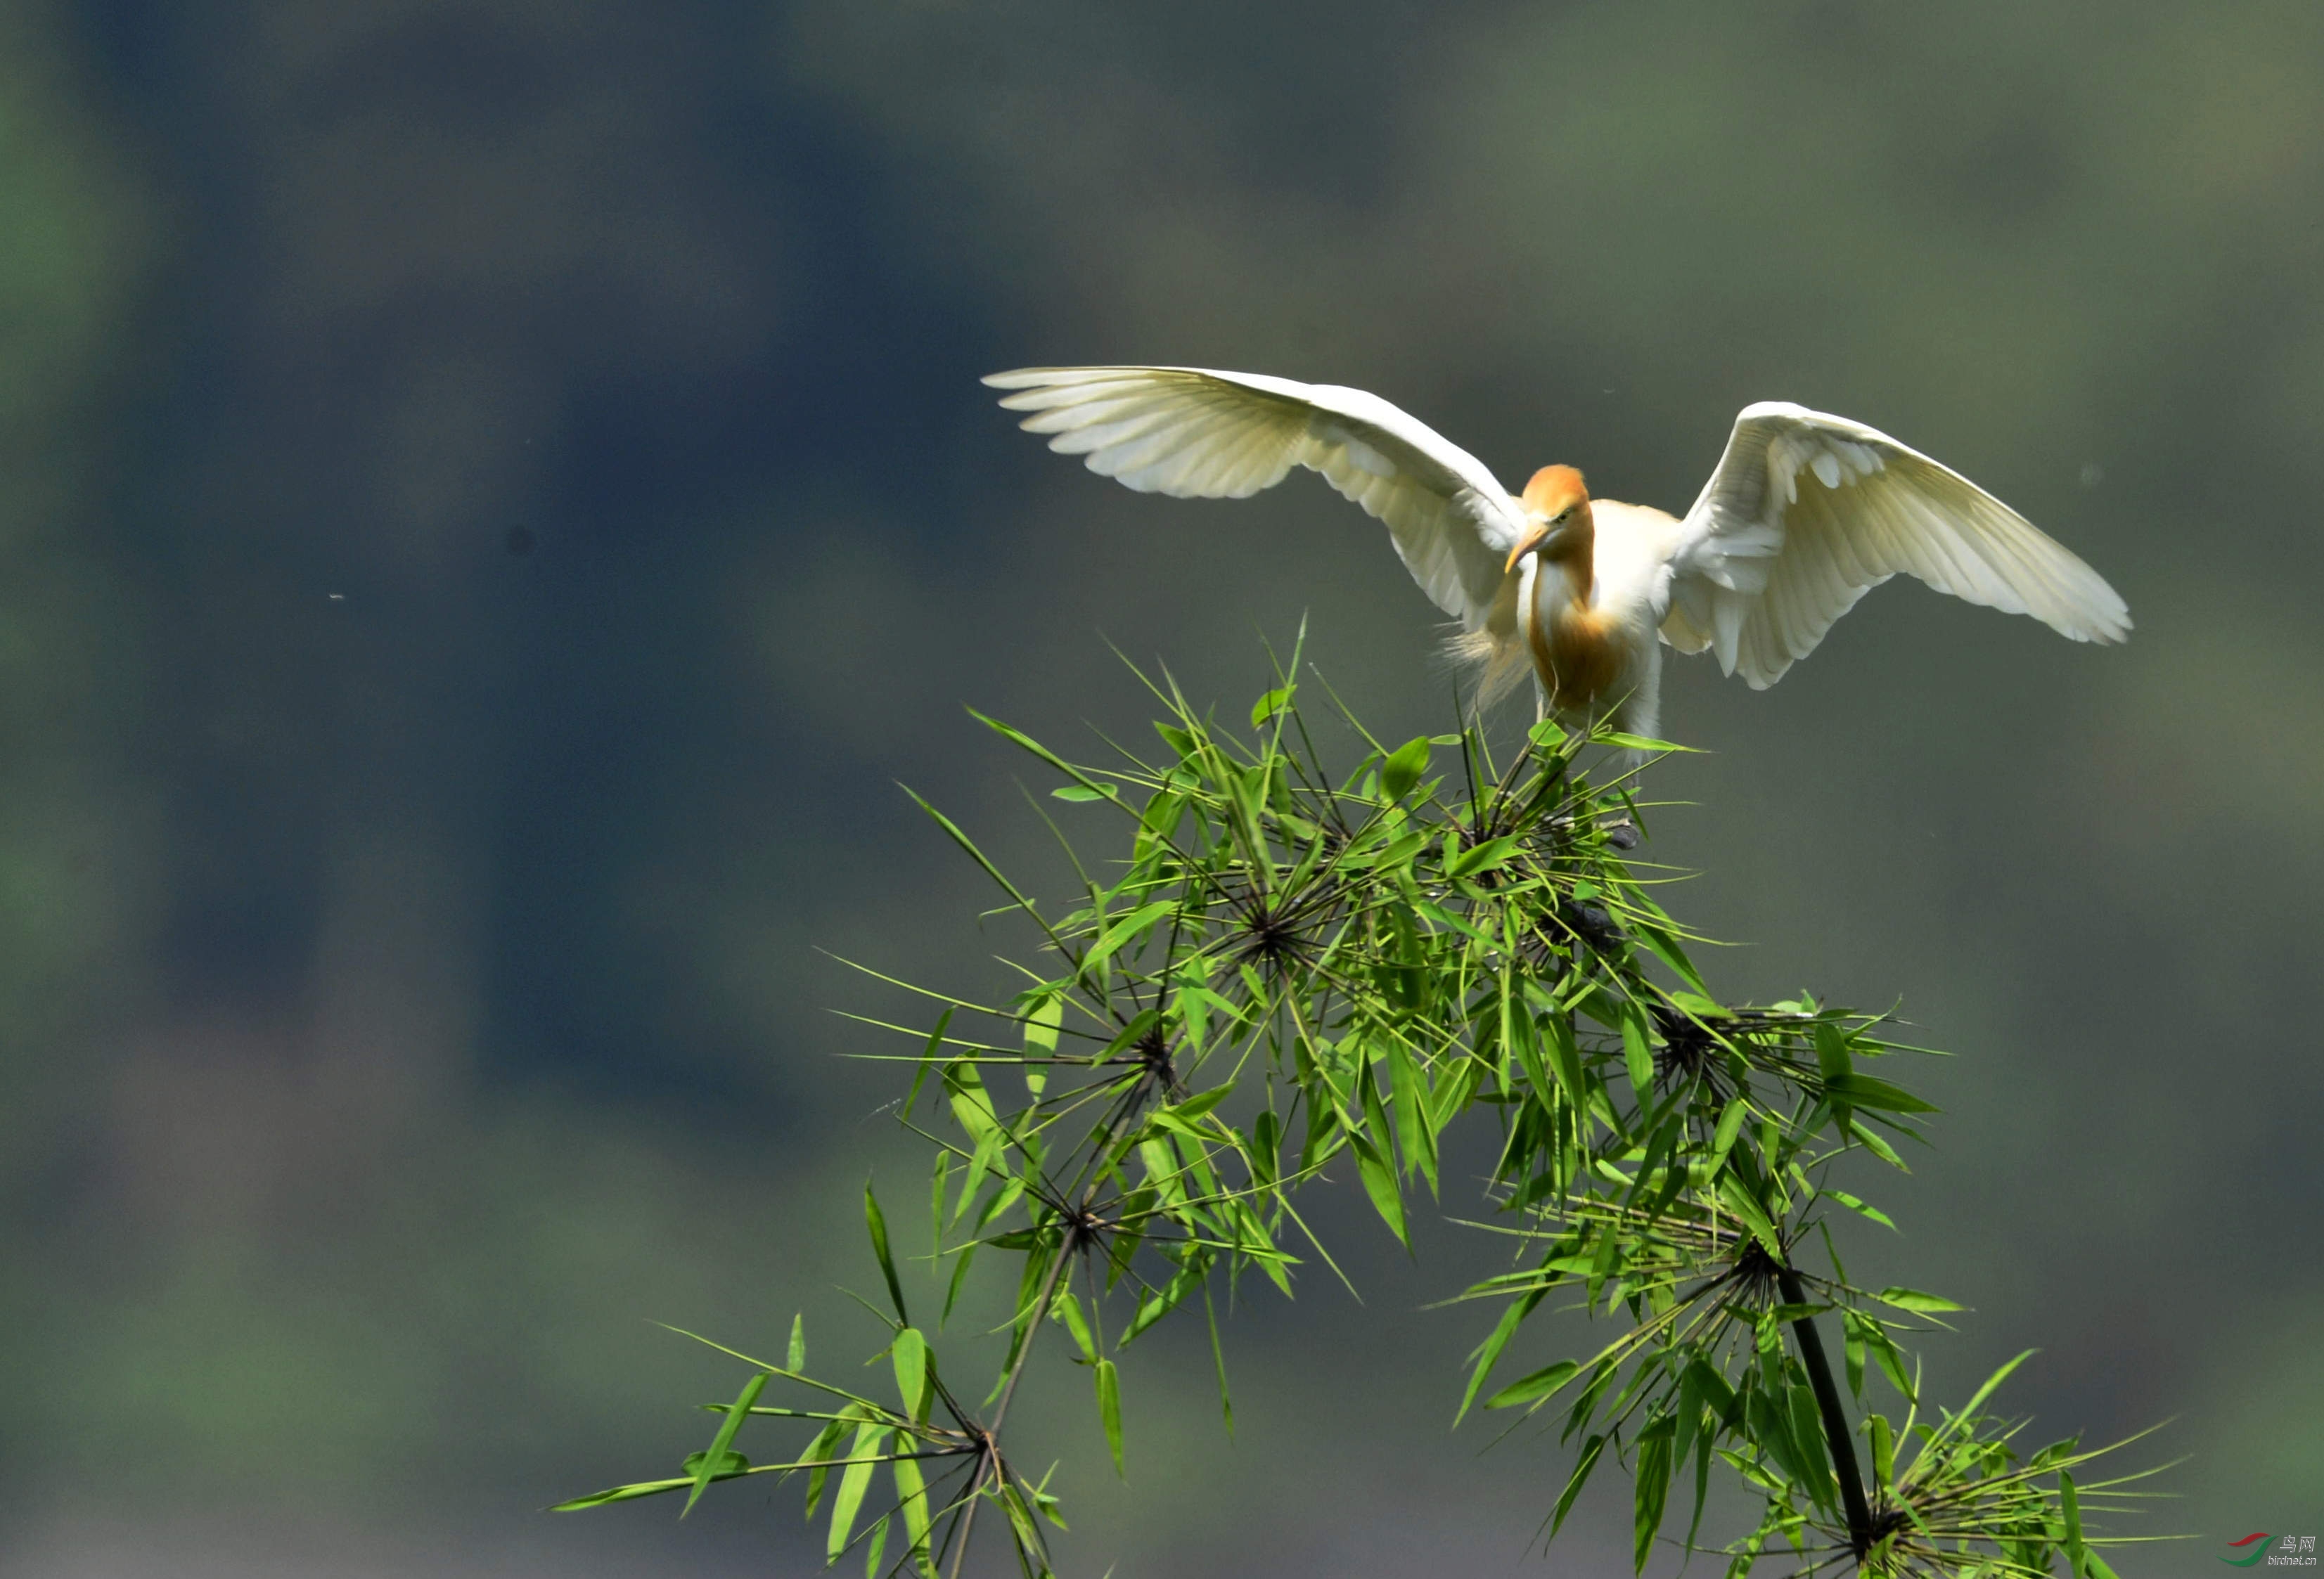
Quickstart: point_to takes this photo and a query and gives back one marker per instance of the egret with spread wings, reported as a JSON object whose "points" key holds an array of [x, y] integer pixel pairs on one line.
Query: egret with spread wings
{"points": [[1805, 513]]}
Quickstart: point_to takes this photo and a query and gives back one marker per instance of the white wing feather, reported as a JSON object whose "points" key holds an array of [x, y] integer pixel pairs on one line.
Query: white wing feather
{"points": [[1193, 433], [1807, 512]]}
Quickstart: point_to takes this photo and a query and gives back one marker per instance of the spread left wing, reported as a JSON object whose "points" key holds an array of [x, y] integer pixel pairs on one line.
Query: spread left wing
{"points": [[1194, 433], [1807, 512]]}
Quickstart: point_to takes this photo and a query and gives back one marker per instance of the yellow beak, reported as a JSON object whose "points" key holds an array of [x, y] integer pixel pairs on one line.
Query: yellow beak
{"points": [[1535, 534]]}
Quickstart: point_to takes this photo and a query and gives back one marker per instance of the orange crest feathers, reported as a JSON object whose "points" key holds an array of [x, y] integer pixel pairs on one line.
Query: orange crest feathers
{"points": [[1553, 487]]}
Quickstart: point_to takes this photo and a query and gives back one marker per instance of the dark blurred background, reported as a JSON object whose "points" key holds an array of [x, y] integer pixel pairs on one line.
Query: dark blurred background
{"points": [[495, 493]]}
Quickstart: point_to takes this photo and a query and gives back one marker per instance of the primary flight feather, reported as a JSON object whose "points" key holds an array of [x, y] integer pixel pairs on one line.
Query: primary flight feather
{"points": [[1804, 515]]}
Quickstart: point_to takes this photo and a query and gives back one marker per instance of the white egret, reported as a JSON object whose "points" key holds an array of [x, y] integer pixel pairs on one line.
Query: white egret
{"points": [[1804, 515]]}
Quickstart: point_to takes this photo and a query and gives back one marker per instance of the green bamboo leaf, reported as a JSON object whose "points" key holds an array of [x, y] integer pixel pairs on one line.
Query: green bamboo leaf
{"points": [[1831, 1052], [1864, 1091], [1663, 943], [825, 1447], [1122, 931], [1270, 704], [1920, 1304], [1109, 1409], [877, 1222], [2070, 1505], [1077, 792], [1638, 1056], [794, 1358], [1378, 1176], [1403, 769], [1565, 1058], [1218, 1358], [1731, 1126], [912, 1500], [1732, 1191], [909, 1353], [712, 1466], [716, 1466], [1712, 1388], [1574, 1483], [961, 1263], [1541, 1384], [927, 1059], [1068, 1310], [1485, 856], [853, 1482], [875, 1549], [1378, 1127], [1651, 1489], [621, 1495], [1992, 1383], [1043, 1018], [1487, 1353], [1857, 1205], [1627, 742]]}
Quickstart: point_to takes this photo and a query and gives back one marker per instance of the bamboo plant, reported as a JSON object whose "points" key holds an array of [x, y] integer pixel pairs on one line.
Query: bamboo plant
{"points": [[1293, 976]]}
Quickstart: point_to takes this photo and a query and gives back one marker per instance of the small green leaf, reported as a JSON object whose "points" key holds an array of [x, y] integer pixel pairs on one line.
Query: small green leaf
{"points": [[1378, 1176], [1114, 936], [1732, 1191], [1831, 1052], [1731, 1124], [1541, 1384], [853, 1482], [1068, 1310], [1078, 791], [1652, 1491], [877, 1222], [825, 1447], [912, 1498], [1920, 1304], [621, 1494], [1637, 1057], [2070, 1505], [1269, 704], [1574, 1483], [1043, 1018], [1864, 1091], [708, 1466], [910, 1354], [1403, 769], [1109, 1409], [1489, 1351], [795, 1359]]}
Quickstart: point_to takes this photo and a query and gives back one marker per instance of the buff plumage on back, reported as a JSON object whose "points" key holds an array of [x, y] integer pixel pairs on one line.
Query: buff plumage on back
{"points": [[1195, 433]]}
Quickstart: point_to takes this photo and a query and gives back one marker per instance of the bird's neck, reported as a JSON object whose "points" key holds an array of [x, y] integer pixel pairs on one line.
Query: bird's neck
{"points": [[1576, 556]]}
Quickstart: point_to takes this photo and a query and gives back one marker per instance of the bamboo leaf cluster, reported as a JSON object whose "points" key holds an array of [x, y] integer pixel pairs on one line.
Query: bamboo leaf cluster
{"points": [[1291, 977]]}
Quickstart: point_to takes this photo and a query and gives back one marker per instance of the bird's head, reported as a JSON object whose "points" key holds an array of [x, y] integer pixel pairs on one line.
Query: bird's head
{"points": [[1555, 505]]}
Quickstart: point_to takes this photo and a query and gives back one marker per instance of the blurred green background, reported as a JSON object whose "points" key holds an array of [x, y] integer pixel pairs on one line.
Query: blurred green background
{"points": [[495, 493]]}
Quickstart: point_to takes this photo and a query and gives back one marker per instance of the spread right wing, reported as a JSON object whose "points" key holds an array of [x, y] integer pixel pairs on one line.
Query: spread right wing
{"points": [[1195, 434], [1808, 511]]}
